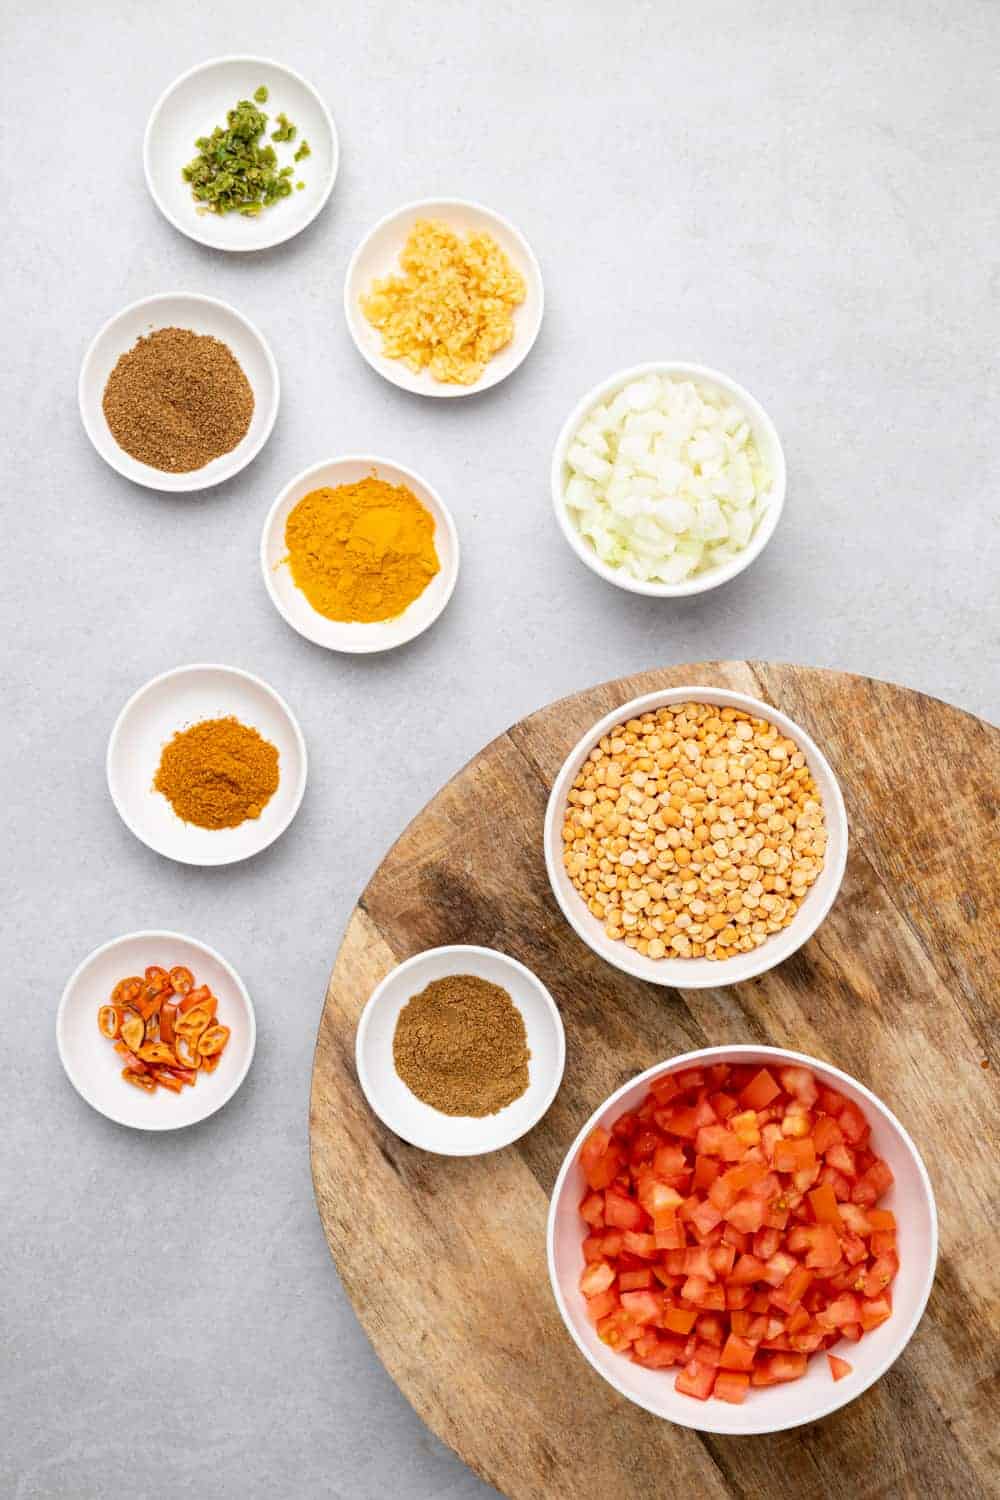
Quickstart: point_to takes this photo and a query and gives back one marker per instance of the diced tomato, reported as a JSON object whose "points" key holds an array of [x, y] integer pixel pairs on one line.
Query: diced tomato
{"points": [[730, 1386], [695, 1380], [745, 1244], [838, 1367]]}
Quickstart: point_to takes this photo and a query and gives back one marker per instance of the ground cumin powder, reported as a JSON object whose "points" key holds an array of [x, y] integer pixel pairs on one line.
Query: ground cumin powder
{"points": [[460, 1046], [177, 400], [218, 773]]}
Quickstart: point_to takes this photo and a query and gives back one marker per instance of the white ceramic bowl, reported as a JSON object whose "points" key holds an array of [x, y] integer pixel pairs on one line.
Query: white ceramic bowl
{"points": [[768, 444], [816, 1395], [408, 1116], [194, 105], [152, 717], [343, 635], [94, 1068], [205, 315], [699, 973], [378, 256]]}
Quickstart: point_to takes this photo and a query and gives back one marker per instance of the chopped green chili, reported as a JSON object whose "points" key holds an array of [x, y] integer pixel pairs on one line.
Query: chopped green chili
{"points": [[261, 94], [285, 131], [302, 152], [233, 172]]}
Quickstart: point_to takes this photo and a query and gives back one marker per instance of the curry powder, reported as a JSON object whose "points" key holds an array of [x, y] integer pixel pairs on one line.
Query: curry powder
{"points": [[218, 773]]}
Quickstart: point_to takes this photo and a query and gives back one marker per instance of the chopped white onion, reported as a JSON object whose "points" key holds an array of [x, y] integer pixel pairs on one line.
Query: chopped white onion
{"points": [[666, 481]]}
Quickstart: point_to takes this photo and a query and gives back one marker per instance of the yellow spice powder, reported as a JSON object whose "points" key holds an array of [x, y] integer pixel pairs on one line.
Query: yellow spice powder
{"points": [[363, 551], [452, 309]]}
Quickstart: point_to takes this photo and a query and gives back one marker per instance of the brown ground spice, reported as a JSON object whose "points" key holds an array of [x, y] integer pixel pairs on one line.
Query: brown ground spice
{"points": [[218, 773], [460, 1046], [177, 400]]}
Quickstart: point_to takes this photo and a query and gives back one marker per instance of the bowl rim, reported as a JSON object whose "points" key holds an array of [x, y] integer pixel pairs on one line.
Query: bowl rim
{"points": [[191, 231], [364, 1022], [627, 961], [297, 735], [370, 460], [726, 1054], [188, 482], [387, 368], [706, 581], [154, 934]]}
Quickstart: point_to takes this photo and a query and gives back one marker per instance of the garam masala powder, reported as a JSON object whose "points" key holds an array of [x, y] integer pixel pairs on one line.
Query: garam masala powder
{"points": [[361, 552], [218, 773], [461, 1047]]}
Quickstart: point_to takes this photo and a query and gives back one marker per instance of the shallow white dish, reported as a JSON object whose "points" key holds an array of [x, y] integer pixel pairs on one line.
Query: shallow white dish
{"points": [[204, 315], [152, 717], [768, 443], [417, 1122], [94, 1068], [699, 973], [194, 105], [816, 1395], [378, 256], [343, 635]]}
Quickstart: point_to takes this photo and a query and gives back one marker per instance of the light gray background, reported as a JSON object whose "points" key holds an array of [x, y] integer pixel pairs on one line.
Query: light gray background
{"points": [[803, 196]]}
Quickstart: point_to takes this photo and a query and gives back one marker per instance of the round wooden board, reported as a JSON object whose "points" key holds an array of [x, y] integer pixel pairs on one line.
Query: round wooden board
{"points": [[444, 1259]]}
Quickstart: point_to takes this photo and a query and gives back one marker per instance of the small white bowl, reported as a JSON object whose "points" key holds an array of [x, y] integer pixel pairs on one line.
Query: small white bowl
{"points": [[408, 1116], [378, 256], [194, 105], [769, 446], [94, 1068], [700, 973], [816, 1395], [344, 635], [173, 701], [204, 315]]}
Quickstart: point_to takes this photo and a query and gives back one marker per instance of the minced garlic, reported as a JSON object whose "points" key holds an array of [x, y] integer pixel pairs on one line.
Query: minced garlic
{"points": [[453, 309]]}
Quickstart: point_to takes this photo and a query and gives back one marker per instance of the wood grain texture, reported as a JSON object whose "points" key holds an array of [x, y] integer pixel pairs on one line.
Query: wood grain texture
{"points": [[445, 1258]]}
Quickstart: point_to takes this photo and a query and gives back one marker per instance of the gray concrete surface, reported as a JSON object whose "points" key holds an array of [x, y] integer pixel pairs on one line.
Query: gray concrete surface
{"points": [[802, 196]]}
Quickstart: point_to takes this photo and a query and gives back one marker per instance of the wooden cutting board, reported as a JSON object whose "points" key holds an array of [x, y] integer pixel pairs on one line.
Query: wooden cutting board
{"points": [[444, 1259]]}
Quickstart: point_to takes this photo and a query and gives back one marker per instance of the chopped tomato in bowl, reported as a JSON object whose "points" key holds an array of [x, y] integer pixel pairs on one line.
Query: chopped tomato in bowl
{"points": [[740, 1219]]}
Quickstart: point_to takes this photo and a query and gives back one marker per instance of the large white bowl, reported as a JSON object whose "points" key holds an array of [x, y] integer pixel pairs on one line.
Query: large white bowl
{"points": [[409, 1117], [198, 101], [378, 256], [699, 973], [345, 635], [204, 315], [94, 1068], [772, 1408], [151, 718], [768, 443]]}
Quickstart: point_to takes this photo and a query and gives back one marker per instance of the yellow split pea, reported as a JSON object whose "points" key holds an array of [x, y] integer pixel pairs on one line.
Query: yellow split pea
{"points": [[452, 309], [694, 832]]}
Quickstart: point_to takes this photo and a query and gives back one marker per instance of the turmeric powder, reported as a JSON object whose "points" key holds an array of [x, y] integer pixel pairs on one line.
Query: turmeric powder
{"points": [[361, 552], [218, 773]]}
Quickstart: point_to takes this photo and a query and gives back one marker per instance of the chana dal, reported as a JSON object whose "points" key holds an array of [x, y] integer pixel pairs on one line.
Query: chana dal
{"points": [[694, 831]]}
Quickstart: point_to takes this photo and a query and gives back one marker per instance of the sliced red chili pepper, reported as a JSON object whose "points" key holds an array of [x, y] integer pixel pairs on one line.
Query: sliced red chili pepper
{"points": [[167, 1079], [141, 1080], [186, 1075], [133, 1030], [109, 1019], [130, 1058], [182, 980], [168, 1012], [156, 971], [150, 1004], [186, 1050], [194, 1022], [201, 996], [127, 991], [209, 1064], [157, 1052], [212, 1041]]}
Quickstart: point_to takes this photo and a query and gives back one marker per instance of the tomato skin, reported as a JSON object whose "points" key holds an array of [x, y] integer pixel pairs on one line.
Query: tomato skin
{"points": [[732, 1228], [838, 1367]]}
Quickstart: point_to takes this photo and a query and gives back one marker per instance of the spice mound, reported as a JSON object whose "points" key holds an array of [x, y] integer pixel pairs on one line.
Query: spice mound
{"points": [[452, 309], [694, 832], [461, 1047], [177, 400], [164, 1028], [218, 773], [233, 172], [361, 552]]}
